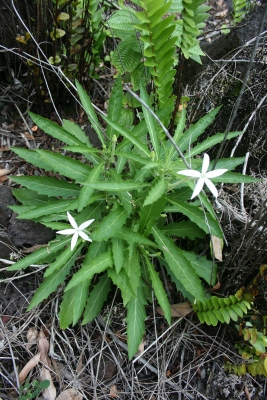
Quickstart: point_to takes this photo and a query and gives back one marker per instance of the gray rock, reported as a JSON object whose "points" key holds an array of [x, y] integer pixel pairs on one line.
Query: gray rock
{"points": [[28, 233], [6, 199]]}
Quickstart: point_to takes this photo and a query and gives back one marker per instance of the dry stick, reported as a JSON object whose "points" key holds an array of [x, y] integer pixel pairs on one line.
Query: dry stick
{"points": [[141, 359], [243, 211], [12, 356], [238, 101]]}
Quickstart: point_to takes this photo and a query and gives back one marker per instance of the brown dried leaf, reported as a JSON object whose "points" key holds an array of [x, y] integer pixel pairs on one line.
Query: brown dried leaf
{"points": [[217, 245], [28, 367], [70, 394], [49, 393], [113, 391], [177, 310], [43, 347], [4, 171], [31, 337]]}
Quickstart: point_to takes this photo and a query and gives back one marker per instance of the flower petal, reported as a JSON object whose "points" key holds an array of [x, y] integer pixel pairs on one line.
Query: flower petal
{"points": [[74, 240], [198, 187], [85, 236], [206, 163], [216, 172], [190, 172], [211, 187], [67, 232], [72, 221], [85, 224]]}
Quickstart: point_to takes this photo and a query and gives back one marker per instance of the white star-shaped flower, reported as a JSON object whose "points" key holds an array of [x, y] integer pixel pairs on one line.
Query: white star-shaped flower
{"points": [[76, 231], [203, 177]]}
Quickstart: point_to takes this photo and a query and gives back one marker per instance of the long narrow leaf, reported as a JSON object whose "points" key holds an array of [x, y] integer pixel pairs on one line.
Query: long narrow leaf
{"points": [[179, 265], [110, 224], [89, 109], [48, 186], [151, 123], [55, 130], [158, 289], [66, 166], [203, 220], [88, 270], [127, 134], [96, 299], [87, 191], [136, 315], [40, 255]]}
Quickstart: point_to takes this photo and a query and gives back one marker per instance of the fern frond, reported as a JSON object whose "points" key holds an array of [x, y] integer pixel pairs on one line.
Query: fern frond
{"points": [[159, 45], [192, 22], [218, 309]]}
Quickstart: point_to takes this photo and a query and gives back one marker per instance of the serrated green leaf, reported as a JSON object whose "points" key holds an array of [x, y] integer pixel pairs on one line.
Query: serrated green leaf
{"points": [[89, 269], [121, 280], [32, 157], [184, 229], [133, 237], [89, 109], [209, 143], [66, 166], [110, 224], [66, 309], [97, 298], [87, 191], [116, 186], [136, 315], [80, 299], [195, 130], [179, 265], [55, 130], [235, 177], [50, 208], [158, 289], [62, 259], [127, 134], [29, 197], [118, 249], [197, 216], [50, 284], [151, 123], [40, 254], [75, 130], [48, 186], [132, 266], [203, 267], [156, 192], [115, 106], [149, 215], [212, 317]]}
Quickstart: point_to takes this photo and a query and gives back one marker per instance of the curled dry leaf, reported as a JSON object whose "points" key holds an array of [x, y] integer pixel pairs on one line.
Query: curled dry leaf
{"points": [[113, 391], [5, 171], [177, 310], [43, 347], [217, 246], [31, 337], [49, 393], [70, 394], [28, 367], [141, 347]]}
